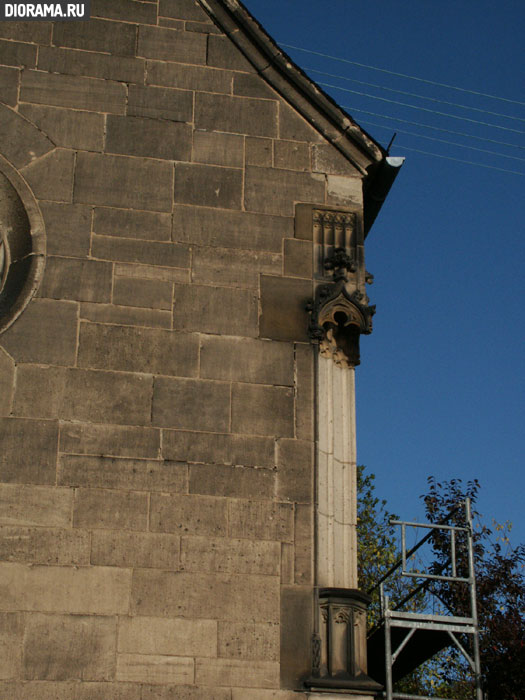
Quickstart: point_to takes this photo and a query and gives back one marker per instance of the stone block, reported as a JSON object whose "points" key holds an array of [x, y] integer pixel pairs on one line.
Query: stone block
{"points": [[260, 520], [11, 637], [275, 191], [135, 251], [97, 35], [262, 410], [296, 635], [94, 65], [22, 142], [187, 77], [113, 510], [134, 550], [246, 360], [239, 115], [238, 640], [44, 545], [171, 45], [76, 92], [9, 78], [7, 382], [125, 315], [295, 470], [77, 280], [283, 306], [125, 223], [182, 9], [201, 27], [256, 694], [304, 544], [208, 185], [231, 672], [218, 149], [236, 482], [125, 10], [91, 590], [291, 155], [41, 506], [246, 598], [68, 228], [110, 440], [139, 668], [29, 449], [150, 138], [39, 391], [183, 692], [298, 258], [63, 647], [69, 690], [200, 515], [215, 448], [258, 151], [230, 229], [51, 177], [233, 268], [161, 103], [45, 333], [230, 556], [304, 391], [153, 635], [107, 397], [66, 127], [179, 24], [293, 127], [215, 310], [125, 182], [153, 272], [327, 159], [122, 473], [14, 53], [191, 404], [151, 294], [287, 563], [222, 53], [345, 191], [249, 85], [32, 32]]}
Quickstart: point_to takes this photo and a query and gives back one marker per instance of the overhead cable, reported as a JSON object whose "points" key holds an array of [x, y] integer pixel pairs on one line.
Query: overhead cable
{"points": [[402, 75], [459, 160]]}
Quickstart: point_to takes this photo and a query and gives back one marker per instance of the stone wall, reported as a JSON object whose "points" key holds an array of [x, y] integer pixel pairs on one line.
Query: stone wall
{"points": [[156, 395]]}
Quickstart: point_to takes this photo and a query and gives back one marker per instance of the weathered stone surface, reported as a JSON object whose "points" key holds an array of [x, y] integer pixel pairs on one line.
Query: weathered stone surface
{"points": [[237, 482], [114, 440], [11, 637], [222, 53], [298, 258], [291, 155], [230, 556], [260, 520], [134, 251], [202, 27], [22, 142], [326, 159], [246, 360], [14, 53], [233, 672], [152, 272], [29, 449], [62, 647], [97, 590], [96, 35], [256, 694], [258, 151], [230, 229], [262, 410], [210, 596], [215, 310], [295, 470], [125, 315], [304, 391], [200, 515], [9, 78], [161, 103], [151, 294], [7, 379], [154, 669], [346, 191], [121, 181], [67, 127], [293, 127], [240, 115], [135, 550], [153, 635], [94, 65], [72, 91], [182, 9], [252, 86], [183, 692], [35, 505], [191, 404], [233, 268], [171, 45], [179, 24], [67, 228], [125, 10], [121, 473], [46, 333], [287, 563], [214, 448], [208, 185], [218, 149], [114, 510], [70, 690], [151, 138], [283, 302], [51, 177], [304, 534], [296, 634], [44, 545], [186, 77], [77, 280], [125, 223], [238, 640], [275, 191], [33, 32]]}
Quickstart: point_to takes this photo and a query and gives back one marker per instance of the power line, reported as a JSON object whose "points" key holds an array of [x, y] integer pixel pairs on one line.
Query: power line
{"points": [[459, 160], [413, 94], [402, 75]]}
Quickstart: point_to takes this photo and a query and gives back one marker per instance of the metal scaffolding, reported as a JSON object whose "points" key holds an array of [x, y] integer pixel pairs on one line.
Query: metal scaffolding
{"points": [[410, 638]]}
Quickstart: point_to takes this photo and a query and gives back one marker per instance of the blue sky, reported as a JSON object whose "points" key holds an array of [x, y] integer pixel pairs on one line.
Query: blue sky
{"points": [[441, 384]]}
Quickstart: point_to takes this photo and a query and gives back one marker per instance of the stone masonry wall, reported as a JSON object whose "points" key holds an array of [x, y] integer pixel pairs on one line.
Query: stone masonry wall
{"points": [[156, 396]]}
